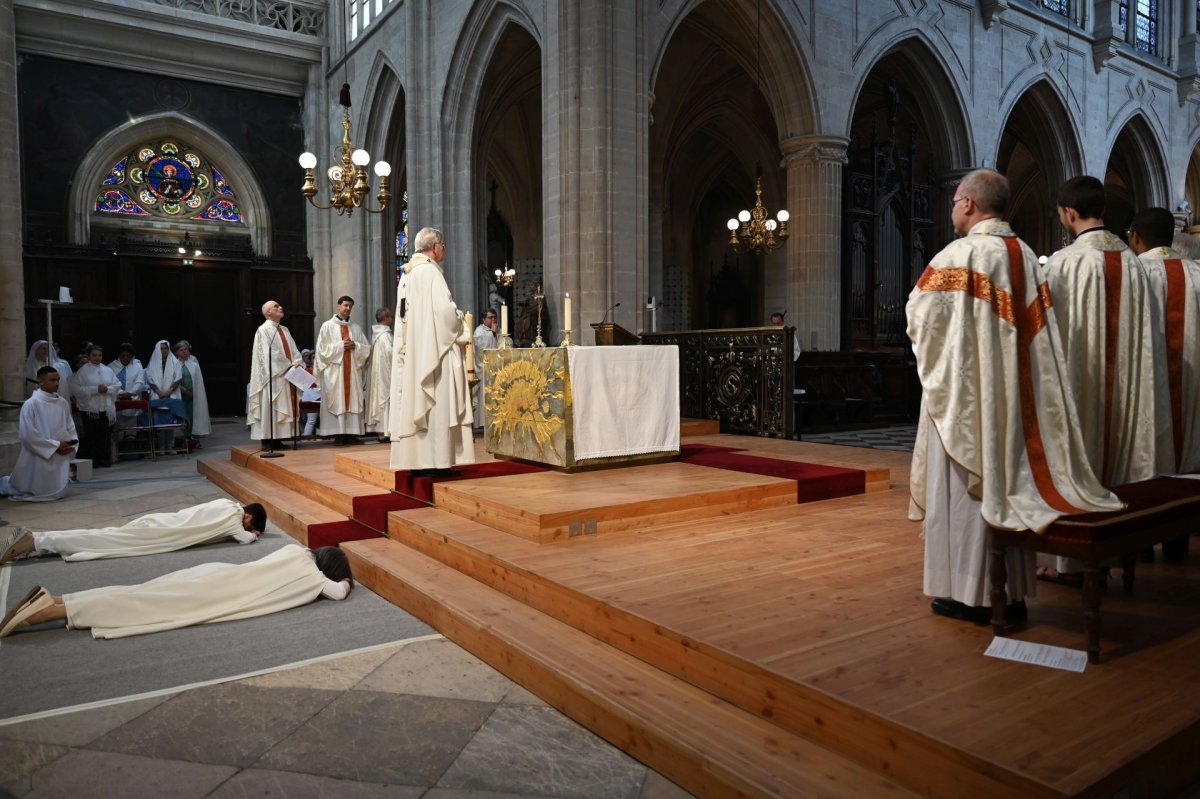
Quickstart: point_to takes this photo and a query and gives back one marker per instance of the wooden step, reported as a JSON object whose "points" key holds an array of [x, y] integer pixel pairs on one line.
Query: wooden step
{"points": [[310, 472], [549, 506], [699, 427], [289, 510], [706, 745]]}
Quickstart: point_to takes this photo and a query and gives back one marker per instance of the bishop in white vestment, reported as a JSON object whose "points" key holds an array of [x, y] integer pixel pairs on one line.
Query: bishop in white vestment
{"points": [[434, 422], [48, 440], [342, 351], [379, 374], [271, 407], [997, 442]]}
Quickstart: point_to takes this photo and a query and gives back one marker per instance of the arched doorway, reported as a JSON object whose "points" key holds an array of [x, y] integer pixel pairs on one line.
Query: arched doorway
{"points": [[1135, 177]]}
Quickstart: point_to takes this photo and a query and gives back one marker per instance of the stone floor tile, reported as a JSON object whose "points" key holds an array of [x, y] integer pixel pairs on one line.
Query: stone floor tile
{"points": [[438, 668], [518, 695], [229, 724], [336, 674], [656, 786], [465, 793], [381, 737], [20, 759], [99, 775], [262, 784], [82, 727], [539, 751]]}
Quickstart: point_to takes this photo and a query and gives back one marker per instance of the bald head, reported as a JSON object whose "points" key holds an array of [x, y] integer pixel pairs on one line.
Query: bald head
{"points": [[988, 188], [272, 310]]}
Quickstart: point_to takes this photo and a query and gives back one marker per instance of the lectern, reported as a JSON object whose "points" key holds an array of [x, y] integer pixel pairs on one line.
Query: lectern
{"points": [[609, 334]]}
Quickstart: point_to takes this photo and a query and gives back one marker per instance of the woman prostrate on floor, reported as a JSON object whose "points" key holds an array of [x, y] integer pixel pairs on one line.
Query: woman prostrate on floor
{"points": [[206, 523], [204, 594]]}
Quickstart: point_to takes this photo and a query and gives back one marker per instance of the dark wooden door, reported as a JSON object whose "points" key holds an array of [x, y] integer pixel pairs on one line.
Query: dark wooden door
{"points": [[200, 304]]}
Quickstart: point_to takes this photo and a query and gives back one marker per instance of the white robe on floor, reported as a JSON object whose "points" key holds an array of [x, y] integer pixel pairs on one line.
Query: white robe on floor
{"points": [[379, 379], [1178, 321], [151, 534], [274, 353], [341, 375], [995, 402], [205, 594], [201, 422], [41, 474], [434, 423]]}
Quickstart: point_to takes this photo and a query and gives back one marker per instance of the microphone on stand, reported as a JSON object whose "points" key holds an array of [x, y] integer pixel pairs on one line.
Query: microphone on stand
{"points": [[610, 310]]}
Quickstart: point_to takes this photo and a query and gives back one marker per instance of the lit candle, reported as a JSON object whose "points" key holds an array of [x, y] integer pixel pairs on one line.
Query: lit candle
{"points": [[567, 311], [504, 320], [469, 354]]}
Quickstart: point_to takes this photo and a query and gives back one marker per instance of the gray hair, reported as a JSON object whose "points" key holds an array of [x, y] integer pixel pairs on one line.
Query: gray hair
{"points": [[382, 313], [427, 238], [988, 188], [183, 342]]}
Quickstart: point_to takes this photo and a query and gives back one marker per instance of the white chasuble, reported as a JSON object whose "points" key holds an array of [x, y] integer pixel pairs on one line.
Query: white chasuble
{"points": [[204, 594], [1175, 286], [1103, 307], [274, 353], [150, 534], [434, 421], [379, 380]]}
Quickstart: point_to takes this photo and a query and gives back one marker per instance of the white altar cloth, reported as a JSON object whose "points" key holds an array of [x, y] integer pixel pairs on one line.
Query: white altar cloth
{"points": [[625, 400]]}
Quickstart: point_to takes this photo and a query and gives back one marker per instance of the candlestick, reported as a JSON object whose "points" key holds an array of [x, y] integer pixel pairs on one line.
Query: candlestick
{"points": [[567, 312], [504, 319], [469, 354]]}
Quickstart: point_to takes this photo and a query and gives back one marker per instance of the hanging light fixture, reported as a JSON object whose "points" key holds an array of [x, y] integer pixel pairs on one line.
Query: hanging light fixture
{"points": [[752, 229], [347, 176], [504, 277]]}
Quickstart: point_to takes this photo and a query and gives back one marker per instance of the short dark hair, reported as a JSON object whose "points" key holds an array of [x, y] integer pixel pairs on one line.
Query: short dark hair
{"points": [[126, 347], [258, 516], [1085, 194], [46, 370], [333, 563], [345, 298], [92, 347], [1156, 226], [382, 313]]}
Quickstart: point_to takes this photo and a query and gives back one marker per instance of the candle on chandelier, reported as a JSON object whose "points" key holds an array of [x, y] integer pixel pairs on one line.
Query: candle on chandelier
{"points": [[567, 311], [504, 320]]}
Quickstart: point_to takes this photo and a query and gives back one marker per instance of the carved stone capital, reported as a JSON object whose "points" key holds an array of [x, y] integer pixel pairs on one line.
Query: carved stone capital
{"points": [[814, 148], [1187, 87], [1104, 50], [992, 9]]}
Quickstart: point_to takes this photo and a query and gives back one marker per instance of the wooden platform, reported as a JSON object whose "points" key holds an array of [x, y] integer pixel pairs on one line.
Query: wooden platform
{"points": [[788, 651]]}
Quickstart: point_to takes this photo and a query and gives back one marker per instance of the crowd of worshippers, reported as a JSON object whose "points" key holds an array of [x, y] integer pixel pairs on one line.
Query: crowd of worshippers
{"points": [[1045, 385], [79, 412]]}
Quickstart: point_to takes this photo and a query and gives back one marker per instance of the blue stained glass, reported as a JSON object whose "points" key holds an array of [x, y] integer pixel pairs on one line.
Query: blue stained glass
{"points": [[117, 176], [115, 201], [219, 180], [221, 211], [170, 178], [1058, 6]]}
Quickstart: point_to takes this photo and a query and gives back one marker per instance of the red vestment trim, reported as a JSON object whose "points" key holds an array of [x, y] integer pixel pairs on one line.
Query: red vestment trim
{"points": [[1176, 288], [346, 359], [1113, 272]]}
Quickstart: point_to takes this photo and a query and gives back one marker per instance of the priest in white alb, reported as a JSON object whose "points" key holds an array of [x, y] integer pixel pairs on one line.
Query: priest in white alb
{"points": [[151, 534], [342, 352], [94, 388], [997, 441], [1175, 288], [48, 440], [433, 427], [379, 375], [271, 407]]}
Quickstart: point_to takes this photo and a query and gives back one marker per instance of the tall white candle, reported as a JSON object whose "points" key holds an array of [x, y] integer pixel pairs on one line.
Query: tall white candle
{"points": [[504, 320], [567, 311]]}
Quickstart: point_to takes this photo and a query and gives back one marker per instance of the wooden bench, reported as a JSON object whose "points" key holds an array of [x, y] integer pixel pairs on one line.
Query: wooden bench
{"points": [[1156, 511]]}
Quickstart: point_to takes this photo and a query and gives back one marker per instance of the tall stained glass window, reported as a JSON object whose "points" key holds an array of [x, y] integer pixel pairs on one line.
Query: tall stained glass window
{"points": [[403, 245], [1060, 6], [1145, 26], [360, 14], [169, 180]]}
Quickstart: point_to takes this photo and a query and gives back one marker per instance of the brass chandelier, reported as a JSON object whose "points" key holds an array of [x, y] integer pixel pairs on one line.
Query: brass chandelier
{"points": [[347, 176], [756, 232]]}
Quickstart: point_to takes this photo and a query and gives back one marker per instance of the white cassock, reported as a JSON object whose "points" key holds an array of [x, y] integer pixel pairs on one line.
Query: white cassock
{"points": [[205, 594], [998, 442], [85, 388], [274, 353], [341, 375], [151, 534], [201, 422], [484, 339], [434, 423], [132, 378], [398, 344], [1105, 316], [379, 380], [162, 374], [1175, 286], [41, 474]]}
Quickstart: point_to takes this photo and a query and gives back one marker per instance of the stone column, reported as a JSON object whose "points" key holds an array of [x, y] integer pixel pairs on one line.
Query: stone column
{"points": [[814, 249], [12, 276]]}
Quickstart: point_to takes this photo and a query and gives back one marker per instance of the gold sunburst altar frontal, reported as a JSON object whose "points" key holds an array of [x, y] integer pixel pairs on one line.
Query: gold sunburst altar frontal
{"points": [[528, 405]]}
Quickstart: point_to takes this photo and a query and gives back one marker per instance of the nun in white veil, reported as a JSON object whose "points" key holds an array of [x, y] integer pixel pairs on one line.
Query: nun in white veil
{"points": [[164, 374], [39, 353], [192, 389]]}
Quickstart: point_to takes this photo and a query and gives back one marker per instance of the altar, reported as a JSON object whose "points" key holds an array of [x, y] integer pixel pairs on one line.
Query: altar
{"points": [[574, 407]]}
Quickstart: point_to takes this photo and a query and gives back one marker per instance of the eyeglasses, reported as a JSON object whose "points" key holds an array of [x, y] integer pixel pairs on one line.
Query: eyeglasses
{"points": [[957, 200]]}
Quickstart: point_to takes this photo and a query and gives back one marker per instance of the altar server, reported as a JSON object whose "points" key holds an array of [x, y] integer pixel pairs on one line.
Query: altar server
{"points": [[48, 440], [342, 351]]}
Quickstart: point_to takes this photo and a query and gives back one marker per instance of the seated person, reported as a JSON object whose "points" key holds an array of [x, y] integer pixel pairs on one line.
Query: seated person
{"points": [[151, 534], [211, 592]]}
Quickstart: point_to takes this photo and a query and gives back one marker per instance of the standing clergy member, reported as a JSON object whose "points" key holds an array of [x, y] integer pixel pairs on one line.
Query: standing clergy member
{"points": [[379, 375], [342, 350], [434, 423], [1175, 289], [130, 375], [485, 338], [998, 441], [95, 390], [271, 408], [48, 439]]}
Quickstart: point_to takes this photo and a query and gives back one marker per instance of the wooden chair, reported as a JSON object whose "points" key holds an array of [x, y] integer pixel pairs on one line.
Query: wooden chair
{"points": [[141, 433]]}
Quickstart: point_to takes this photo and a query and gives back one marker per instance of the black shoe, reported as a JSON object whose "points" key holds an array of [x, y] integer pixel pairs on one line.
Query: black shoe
{"points": [[953, 609], [444, 472], [339, 441]]}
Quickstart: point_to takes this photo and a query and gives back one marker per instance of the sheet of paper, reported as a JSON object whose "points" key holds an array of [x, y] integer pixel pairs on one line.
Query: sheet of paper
{"points": [[1054, 657], [299, 377]]}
